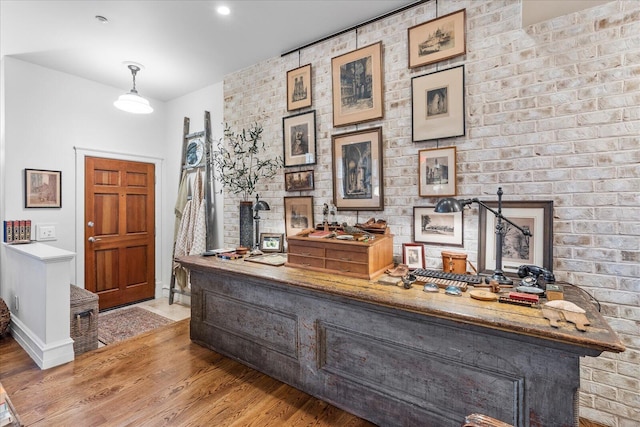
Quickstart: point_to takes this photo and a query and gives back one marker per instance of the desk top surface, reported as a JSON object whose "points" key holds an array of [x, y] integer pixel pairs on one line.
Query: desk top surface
{"points": [[499, 316]]}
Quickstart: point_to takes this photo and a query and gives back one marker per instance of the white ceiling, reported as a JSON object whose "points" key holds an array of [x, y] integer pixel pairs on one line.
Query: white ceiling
{"points": [[183, 45]]}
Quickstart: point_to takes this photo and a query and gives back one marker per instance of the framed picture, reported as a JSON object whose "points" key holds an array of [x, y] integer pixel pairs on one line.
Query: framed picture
{"points": [[299, 88], [517, 248], [413, 255], [298, 214], [357, 170], [436, 40], [271, 242], [42, 188], [437, 228], [299, 132], [437, 169], [298, 181], [438, 105], [357, 86]]}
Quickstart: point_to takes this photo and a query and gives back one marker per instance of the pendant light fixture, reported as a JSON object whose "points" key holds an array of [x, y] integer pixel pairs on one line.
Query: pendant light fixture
{"points": [[132, 102]]}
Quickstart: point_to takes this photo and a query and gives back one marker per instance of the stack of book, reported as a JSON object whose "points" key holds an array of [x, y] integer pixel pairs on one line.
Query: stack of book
{"points": [[6, 416], [17, 231]]}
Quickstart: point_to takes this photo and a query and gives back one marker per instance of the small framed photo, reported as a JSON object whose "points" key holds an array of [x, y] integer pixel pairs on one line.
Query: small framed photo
{"points": [[298, 214], [298, 181], [299, 88], [299, 133], [437, 228], [517, 249], [271, 242], [438, 105], [413, 255], [436, 40], [357, 170], [42, 188], [437, 168], [357, 86]]}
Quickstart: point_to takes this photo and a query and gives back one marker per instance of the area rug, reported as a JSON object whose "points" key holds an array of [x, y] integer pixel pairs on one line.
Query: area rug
{"points": [[120, 324]]}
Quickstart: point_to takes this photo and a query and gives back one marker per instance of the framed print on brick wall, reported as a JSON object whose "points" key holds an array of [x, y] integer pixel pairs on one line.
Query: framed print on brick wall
{"points": [[357, 170], [436, 40], [299, 134], [438, 105], [437, 171], [357, 86], [299, 88]]}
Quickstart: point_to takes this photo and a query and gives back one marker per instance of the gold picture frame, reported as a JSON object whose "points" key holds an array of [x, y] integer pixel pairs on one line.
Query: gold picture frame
{"points": [[357, 86], [358, 182], [437, 105], [299, 88], [436, 40], [437, 172], [298, 214]]}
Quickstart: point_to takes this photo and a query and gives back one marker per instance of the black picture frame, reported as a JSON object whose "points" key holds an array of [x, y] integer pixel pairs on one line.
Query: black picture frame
{"points": [[42, 188]]}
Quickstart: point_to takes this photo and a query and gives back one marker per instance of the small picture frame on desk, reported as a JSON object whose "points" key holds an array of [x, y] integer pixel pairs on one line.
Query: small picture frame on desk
{"points": [[413, 255], [271, 242]]}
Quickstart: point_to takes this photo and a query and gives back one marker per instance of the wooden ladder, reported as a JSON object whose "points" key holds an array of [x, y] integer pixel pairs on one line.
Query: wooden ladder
{"points": [[207, 164]]}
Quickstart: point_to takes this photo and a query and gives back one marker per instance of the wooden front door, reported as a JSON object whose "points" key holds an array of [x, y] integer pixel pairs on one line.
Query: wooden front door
{"points": [[119, 230]]}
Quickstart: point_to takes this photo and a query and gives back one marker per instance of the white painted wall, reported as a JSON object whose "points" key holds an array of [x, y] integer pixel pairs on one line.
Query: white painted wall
{"points": [[47, 114]]}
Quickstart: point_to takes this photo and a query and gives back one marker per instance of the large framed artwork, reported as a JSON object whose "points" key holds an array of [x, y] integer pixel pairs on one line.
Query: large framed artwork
{"points": [[42, 188], [437, 228], [436, 40], [437, 175], [299, 88], [357, 170], [357, 86], [518, 249], [298, 214], [438, 105], [299, 134]]}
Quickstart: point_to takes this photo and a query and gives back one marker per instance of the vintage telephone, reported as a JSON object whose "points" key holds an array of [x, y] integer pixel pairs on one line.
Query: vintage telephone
{"points": [[530, 275]]}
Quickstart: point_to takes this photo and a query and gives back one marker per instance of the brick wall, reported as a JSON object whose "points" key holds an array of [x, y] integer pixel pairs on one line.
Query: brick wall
{"points": [[552, 113]]}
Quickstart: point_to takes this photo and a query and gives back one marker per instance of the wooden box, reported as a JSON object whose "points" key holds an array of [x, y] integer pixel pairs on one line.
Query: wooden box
{"points": [[363, 260]]}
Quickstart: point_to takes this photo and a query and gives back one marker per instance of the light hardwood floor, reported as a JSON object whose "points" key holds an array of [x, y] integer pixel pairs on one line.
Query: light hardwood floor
{"points": [[159, 378]]}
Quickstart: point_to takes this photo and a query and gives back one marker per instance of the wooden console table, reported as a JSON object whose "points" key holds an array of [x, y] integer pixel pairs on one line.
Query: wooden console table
{"points": [[393, 356]]}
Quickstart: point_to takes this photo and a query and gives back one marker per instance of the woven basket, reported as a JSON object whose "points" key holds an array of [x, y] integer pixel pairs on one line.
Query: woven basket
{"points": [[84, 320], [5, 318]]}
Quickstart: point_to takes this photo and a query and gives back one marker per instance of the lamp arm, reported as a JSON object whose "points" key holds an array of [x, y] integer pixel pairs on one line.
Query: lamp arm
{"points": [[499, 215]]}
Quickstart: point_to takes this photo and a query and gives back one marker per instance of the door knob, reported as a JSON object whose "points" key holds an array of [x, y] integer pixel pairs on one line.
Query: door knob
{"points": [[93, 239]]}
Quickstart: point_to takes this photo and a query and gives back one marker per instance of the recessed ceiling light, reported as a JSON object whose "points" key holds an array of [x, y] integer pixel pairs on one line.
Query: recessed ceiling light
{"points": [[102, 19], [223, 10]]}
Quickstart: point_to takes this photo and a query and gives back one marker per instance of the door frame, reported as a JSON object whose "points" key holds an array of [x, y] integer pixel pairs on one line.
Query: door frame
{"points": [[81, 154]]}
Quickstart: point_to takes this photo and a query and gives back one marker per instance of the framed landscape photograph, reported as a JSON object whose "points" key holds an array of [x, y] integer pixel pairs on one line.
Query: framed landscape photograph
{"points": [[436, 40], [357, 170], [413, 255], [438, 105], [298, 181], [437, 170], [357, 86], [299, 134], [298, 214], [42, 188], [271, 242], [517, 249], [437, 228], [299, 88]]}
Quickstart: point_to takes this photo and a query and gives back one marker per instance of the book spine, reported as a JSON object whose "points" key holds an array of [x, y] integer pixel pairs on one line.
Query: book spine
{"points": [[16, 230], [27, 230], [22, 229], [8, 231]]}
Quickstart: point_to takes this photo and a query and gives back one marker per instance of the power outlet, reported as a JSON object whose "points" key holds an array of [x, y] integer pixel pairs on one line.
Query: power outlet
{"points": [[45, 232]]}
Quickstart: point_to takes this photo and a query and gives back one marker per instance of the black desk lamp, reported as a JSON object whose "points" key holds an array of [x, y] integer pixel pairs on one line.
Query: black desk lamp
{"points": [[455, 205], [259, 205]]}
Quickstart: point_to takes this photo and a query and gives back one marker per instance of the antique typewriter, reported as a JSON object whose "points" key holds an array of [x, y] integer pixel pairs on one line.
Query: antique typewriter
{"points": [[444, 279]]}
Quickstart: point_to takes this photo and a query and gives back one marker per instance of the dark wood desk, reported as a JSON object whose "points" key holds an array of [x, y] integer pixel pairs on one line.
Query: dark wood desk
{"points": [[390, 355]]}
